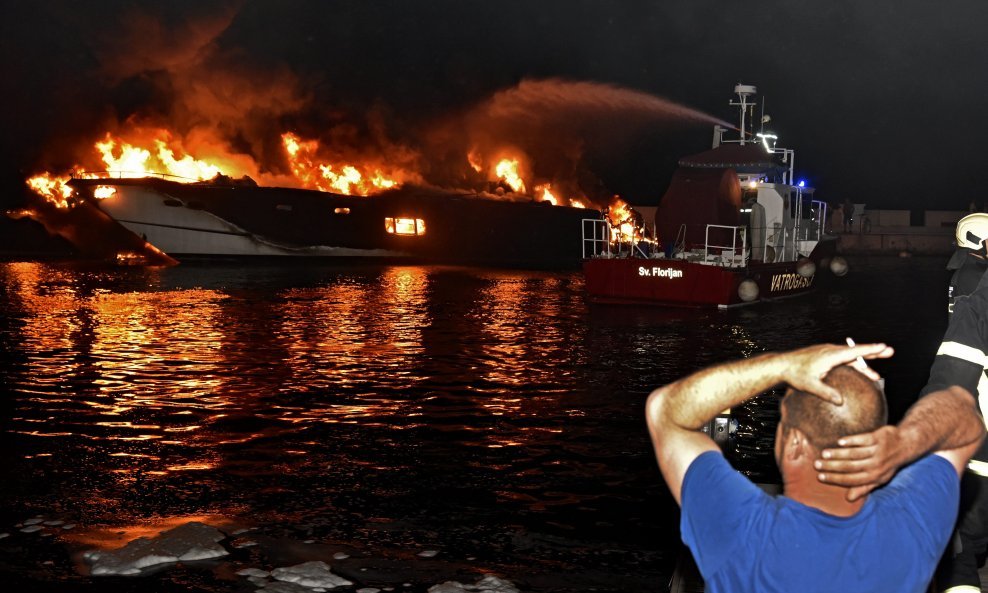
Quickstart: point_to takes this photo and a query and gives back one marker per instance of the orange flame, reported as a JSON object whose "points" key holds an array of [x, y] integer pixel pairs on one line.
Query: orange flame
{"points": [[102, 192], [507, 170], [544, 192], [127, 160], [340, 178], [52, 188], [476, 162], [154, 151], [622, 218]]}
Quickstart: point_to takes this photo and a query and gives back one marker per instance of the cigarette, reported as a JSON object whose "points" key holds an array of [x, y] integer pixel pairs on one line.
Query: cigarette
{"points": [[881, 380], [851, 344]]}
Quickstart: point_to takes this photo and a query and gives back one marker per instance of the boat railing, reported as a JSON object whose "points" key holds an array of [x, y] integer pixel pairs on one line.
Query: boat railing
{"points": [[780, 243], [680, 244], [596, 238], [130, 175], [807, 233], [811, 228], [732, 255], [599, 240]]}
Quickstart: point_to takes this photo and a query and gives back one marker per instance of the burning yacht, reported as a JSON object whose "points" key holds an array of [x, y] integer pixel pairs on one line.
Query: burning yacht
{"points": [[157, 204], [224, 217]]}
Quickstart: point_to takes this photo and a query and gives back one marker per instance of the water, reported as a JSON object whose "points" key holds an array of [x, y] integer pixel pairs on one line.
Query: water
{"points": [[532, 101], [491, 416]]}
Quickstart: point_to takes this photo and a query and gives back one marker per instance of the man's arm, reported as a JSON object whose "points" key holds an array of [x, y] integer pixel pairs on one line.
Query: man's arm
{"points": [[945, 422], [870, 460], [677, 412]]}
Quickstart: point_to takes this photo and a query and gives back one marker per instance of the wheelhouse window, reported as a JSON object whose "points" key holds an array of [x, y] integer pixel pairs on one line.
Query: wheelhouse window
{"points": [[404, 226]]}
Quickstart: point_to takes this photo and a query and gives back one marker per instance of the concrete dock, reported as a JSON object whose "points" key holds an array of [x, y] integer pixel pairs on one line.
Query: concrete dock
{"points": [[888, 232]]}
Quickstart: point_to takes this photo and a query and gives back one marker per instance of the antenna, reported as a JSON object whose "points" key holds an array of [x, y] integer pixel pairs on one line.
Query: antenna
{"points": [[762, 127], [744, 91]]}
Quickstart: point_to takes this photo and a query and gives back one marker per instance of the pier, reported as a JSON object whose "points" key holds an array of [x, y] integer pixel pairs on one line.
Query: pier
{"points": [[889, 232]]}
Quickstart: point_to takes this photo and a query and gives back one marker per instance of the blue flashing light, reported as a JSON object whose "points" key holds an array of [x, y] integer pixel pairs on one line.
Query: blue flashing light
{"points": [[802, 183]]}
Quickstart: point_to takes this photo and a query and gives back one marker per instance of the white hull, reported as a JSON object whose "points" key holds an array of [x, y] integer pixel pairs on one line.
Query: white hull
{"points": [[179, 230]]}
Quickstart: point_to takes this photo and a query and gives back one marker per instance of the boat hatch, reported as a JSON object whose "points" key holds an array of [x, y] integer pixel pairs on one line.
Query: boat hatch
{"points": [[404, 226]]}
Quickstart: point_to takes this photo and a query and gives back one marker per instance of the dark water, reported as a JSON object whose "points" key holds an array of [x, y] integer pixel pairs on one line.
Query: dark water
{"points": [[491, 416]]}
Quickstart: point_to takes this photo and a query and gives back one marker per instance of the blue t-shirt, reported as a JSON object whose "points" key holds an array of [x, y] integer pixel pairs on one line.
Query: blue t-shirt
{"points": [[745, 540]]}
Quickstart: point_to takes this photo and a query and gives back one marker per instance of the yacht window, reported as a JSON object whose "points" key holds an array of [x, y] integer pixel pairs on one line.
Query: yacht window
{"points": [[404, 226]]}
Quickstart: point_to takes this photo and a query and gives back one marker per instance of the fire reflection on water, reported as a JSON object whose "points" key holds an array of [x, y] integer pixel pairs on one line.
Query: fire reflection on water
{"points": [[107, 367], [521, 327], [479, 411], [149, 377]]}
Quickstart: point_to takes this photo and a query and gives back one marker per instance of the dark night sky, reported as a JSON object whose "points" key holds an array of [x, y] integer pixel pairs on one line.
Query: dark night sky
{"points": [[883, 101]]}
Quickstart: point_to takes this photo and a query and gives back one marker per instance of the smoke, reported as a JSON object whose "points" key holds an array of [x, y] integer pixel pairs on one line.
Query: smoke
{"points": [[560, 126], [225, 106], [132, 40], [157, 68]]}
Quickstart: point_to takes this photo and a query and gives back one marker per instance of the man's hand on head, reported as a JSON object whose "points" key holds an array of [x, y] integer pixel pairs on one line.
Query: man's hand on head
{"points": [[808, 366], [862, 462]]}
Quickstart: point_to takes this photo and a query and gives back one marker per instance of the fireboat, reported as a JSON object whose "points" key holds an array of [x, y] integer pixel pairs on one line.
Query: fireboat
{"points": [[733, 228]]}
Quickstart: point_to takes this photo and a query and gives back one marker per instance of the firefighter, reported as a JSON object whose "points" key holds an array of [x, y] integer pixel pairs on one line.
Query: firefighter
{"points": [[962, 360], [864, 462]]}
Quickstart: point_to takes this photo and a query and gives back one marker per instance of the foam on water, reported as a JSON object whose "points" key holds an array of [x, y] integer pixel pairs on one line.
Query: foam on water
{"points": [[189, 542]]}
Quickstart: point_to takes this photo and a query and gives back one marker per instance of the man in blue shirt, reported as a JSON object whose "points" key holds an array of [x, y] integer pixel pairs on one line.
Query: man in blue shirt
{"points": [[813, 538]]}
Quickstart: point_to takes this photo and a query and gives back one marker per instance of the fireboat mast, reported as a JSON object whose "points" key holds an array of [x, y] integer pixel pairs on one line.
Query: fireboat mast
{"points": [[744, 104], [744, 91]]}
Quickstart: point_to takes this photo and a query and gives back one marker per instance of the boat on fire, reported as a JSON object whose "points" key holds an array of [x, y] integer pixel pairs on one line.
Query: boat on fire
{"points": [[236, 218], [733, 228]]}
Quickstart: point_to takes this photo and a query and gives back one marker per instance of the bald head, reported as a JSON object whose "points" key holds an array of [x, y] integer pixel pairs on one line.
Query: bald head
{"points": [[863, 409]]}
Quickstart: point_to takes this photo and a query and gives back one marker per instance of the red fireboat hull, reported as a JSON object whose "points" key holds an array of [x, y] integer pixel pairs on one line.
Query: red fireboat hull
{"points": [[680, 283]]}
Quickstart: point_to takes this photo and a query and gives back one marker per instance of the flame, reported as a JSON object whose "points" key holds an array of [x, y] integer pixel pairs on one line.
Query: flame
{"points": [[129, 160], [187, 166], [125, 159], [545, 194], [344, 178], [102, 192], [622, 219], [507, 170], [475, 160], [54, 189], [199, 156], [155, 151]]}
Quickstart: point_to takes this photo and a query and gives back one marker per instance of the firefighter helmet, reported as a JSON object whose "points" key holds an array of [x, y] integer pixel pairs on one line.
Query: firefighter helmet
{"points": [[972, 231]]}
